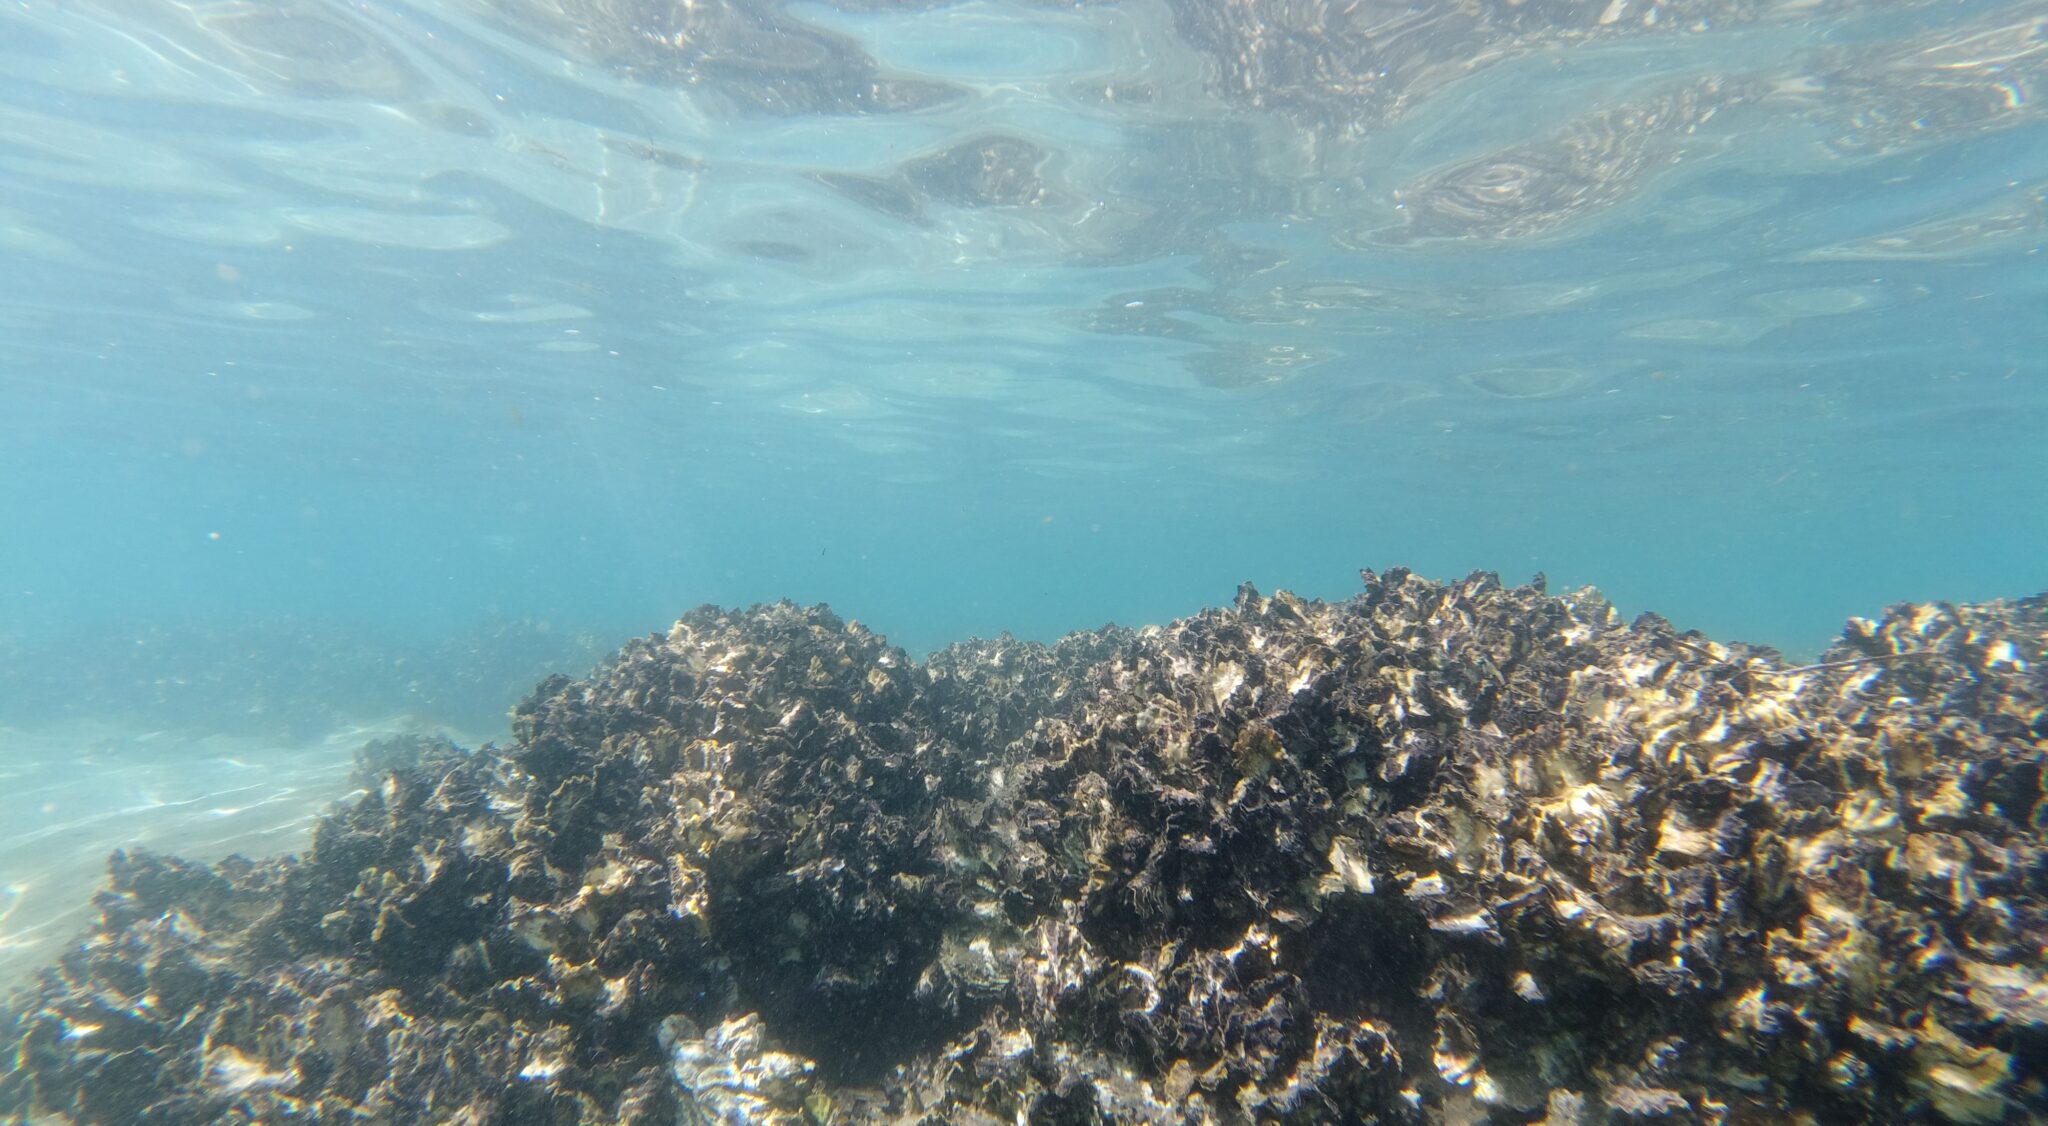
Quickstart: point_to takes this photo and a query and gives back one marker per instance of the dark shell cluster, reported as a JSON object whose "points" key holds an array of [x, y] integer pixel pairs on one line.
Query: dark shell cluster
{"points": [[1438, 853]]}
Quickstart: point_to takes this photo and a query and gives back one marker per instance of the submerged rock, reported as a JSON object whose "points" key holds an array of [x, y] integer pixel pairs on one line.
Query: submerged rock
{"points": [[1441, 852]]}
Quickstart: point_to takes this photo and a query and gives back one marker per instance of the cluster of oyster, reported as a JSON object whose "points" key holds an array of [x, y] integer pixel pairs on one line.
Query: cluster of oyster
{"points": [[1441, 852]]}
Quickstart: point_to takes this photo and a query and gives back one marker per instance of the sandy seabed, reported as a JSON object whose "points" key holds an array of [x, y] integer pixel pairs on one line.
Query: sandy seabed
{"points": [[71, 795]]}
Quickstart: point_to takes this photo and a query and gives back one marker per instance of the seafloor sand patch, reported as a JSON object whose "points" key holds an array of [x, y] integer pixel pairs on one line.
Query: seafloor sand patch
{"points": [[69, 796]]}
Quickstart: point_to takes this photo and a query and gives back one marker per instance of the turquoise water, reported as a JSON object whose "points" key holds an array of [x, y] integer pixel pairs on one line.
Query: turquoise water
{"points": [[364, 361], [334, 331]]}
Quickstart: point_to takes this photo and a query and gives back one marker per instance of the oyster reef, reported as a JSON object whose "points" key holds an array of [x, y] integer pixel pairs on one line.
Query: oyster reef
{"points": [[1441, 852]]}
